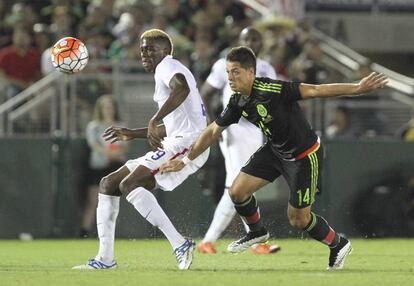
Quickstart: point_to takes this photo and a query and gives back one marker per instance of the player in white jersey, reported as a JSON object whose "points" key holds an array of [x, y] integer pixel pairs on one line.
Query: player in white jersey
{"points": [[183, 116], [235, 152]]}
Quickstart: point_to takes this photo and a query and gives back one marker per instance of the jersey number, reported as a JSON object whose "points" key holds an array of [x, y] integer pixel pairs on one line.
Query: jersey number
{"points": [[304, 197], [158, 155]]}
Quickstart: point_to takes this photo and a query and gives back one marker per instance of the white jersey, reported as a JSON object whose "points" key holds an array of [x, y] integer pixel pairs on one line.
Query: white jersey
{"points": [[183, 126], [218, 76], [188, 119]]}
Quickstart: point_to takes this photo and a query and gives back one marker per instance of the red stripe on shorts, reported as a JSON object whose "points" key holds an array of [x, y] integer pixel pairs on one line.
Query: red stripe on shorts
{"points": [[307, 152], [153, 172]]}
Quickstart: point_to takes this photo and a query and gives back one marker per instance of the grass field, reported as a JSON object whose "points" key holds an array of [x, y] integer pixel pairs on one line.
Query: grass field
{"points": [[150, 262]]}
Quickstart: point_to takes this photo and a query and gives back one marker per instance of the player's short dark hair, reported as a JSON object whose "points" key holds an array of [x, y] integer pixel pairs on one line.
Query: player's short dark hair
{"points": [[243, 55], [159, 36]]}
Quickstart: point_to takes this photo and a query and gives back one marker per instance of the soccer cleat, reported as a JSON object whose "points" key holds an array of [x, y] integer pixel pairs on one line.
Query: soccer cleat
{"points": [[206, 248], [265, 248], [251, 238], [94, 264], [184, 254], [339, 253]]}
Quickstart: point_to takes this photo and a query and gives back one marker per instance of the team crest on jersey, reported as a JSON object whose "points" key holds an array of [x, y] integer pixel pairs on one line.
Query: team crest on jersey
{"points": [[261, 110]]}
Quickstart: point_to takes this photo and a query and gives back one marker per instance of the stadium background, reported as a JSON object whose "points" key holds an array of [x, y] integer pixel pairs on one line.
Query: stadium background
{"points": [[368, 178]]}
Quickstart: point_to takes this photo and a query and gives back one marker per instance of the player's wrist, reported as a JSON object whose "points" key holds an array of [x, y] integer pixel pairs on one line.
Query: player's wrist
{"points": [[186, 160]]}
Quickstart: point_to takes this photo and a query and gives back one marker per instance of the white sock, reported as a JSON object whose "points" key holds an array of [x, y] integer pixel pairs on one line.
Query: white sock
{"points": [[223, 215], [146, 204], [106, 214]]}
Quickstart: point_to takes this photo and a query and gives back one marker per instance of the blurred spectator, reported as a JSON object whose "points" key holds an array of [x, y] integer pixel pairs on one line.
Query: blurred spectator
{"points": [[19, 63], [104, 157], [406, 132], [42, 39], [21, 15], [91, 85], [278, 60], [62, 23], [160, 21], [125, 46], [341, 126], [308, 67]]}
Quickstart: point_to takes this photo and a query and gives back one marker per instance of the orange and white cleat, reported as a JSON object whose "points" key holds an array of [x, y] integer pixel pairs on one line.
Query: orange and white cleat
{"points": [[263, 248], [206, 248]]}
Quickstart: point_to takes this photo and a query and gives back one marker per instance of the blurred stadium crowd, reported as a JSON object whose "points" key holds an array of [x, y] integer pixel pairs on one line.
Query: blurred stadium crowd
{"points": [[201, 31]]}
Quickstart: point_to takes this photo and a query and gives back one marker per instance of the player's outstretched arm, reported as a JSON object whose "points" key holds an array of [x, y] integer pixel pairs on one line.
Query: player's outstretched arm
{"points": [[207, 137], [369, 83]]}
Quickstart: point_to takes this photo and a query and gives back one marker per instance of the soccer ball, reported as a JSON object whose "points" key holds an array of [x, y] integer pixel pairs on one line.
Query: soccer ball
{"points": [[69, 55]]}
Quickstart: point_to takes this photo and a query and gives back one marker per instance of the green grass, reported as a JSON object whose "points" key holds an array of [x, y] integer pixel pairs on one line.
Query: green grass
{"points": [[150, 262]]}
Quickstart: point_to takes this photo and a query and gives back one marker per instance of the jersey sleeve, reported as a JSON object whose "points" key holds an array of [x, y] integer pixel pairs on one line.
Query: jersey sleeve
{"points": [[217, 77], [290, 91], [168, 71], [231, 114]]}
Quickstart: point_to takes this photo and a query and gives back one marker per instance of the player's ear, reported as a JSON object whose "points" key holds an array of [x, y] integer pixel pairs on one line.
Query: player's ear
{"points": [[252, 71]]}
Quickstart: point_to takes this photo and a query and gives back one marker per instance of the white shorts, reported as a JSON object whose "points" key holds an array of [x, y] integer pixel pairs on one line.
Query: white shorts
{"points": [[154, 159], [239, 142]]}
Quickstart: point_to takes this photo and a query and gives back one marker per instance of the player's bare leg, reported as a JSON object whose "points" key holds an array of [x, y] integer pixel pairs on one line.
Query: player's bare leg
{"points": [[318, 228]]}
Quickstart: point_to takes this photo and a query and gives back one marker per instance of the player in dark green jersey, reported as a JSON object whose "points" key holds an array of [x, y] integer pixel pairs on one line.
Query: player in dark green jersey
{"points": [[292, 149]]}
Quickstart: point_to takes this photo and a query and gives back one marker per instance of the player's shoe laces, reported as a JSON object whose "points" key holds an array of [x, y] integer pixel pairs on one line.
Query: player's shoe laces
{"points": [[251, 238], [206, 248], [262, 248], [184, 254], [339, 253], [94, 264]]}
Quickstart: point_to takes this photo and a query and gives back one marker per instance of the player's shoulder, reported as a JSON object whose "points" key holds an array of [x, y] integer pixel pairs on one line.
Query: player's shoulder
{"points": [[169, 63], [268, 80]]}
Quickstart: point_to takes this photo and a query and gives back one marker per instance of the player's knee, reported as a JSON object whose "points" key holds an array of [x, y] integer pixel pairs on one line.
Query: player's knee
{"points": [[129, 184], [237, 196], [106, 187], [298, 221], [126, 186]]}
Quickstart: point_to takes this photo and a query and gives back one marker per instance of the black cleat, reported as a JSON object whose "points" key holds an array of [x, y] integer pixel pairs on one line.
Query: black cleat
{"points": [[251, 238], [339, 253]]}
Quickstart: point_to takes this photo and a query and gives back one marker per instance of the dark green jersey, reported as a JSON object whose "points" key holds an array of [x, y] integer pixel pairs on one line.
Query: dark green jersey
{"points": [[272, 106]]}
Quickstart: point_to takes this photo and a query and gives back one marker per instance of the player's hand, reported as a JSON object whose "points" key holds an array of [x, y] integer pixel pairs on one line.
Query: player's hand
{"points": [[372, 82], [153, 137], [113, 134], [172, 166]]}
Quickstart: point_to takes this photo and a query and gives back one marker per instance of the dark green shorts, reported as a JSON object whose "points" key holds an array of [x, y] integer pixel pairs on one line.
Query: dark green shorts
{"points": [[303, 176]]}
